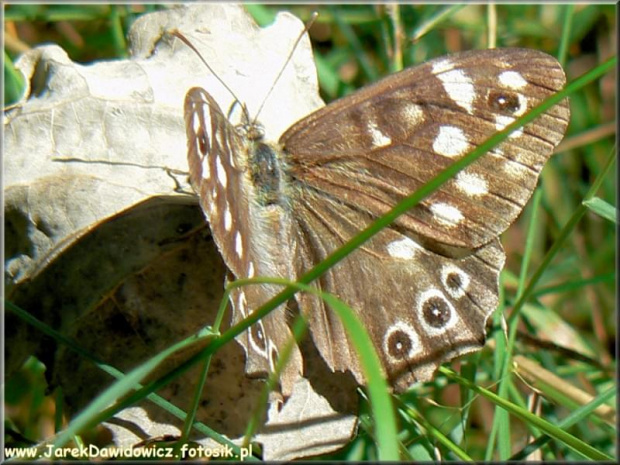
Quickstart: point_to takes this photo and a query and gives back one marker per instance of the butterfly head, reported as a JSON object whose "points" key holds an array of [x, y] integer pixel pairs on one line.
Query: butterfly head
{"points": [[251, 130]]}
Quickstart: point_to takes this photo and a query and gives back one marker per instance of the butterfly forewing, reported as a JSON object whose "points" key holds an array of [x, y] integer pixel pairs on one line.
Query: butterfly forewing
{"points": [[378, 145], [248, 234], [425, 286]]}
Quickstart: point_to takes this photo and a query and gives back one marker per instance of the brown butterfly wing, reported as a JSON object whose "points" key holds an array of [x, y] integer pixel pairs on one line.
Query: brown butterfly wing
{"points": [[420, 308], [371, 149], [249, 236]]}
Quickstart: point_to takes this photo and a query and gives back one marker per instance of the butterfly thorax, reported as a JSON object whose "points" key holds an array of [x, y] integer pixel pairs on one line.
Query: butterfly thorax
{"points": [[266, 174], [264, 163]]}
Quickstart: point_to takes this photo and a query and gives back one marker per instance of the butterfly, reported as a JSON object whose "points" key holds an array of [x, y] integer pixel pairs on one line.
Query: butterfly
{"points": [[425, 286]]}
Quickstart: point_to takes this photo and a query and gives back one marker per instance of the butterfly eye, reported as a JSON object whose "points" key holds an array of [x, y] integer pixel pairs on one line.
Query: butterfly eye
{"points": [[251, 131], [241, 130], [255, 131]]}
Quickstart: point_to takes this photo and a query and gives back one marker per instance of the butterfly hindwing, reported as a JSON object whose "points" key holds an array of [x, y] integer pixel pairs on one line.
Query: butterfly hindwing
{"points": [[420, 308]]}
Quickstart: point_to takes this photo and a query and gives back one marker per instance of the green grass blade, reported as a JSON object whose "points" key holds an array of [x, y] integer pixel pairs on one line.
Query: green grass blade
{"points": [[124, 385], [579, 446], [564, 234], [383, 410], [602, 209], [573, 418]]}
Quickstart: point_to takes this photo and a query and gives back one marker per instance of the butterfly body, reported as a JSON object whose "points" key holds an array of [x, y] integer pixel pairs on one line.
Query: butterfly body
{"points": [[266, 174], [425, 286]]}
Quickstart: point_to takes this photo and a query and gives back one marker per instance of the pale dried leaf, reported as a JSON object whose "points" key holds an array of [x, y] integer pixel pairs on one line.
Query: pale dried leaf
{"points": [[305, 426], [103, 241]]}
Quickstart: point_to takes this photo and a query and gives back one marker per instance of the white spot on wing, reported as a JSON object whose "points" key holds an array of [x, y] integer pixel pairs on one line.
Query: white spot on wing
{"points": [[459, 88], [471, 184], [512, 79], [403, 248], [446, 214], [206, 167], [442, 66], [242, 304], [227, 218], [238, 244], [379, 139], [502, 121], [451, 142], [272, 348], [195, 122], [412, 114], [220, 172]]}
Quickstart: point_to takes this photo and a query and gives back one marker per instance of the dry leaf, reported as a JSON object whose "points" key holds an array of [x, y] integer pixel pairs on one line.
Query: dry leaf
{"points": [[104, 240]]}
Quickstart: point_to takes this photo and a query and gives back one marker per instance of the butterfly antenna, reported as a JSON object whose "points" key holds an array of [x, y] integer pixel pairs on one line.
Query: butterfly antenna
{"points": [[288, 59], [184, 39]]}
